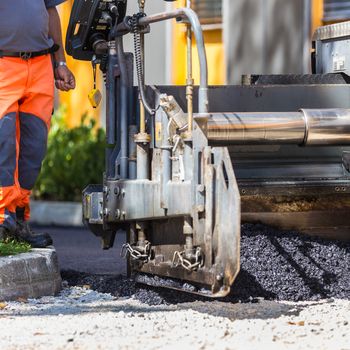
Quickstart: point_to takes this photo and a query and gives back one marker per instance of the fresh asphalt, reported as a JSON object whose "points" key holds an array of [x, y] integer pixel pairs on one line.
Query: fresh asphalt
{"points": [[78, 249], [274, 265]]}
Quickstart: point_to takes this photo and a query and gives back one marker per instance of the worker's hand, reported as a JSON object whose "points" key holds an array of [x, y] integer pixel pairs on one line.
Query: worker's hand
{"points": [[64, 78]]}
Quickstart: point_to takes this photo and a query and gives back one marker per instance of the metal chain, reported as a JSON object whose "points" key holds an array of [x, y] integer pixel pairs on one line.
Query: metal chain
{"points": [[179, 259], [135, 252]]}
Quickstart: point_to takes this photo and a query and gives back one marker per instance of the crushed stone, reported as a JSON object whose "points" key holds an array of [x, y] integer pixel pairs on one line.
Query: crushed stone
{"points": [[81, 318], [292, 293], [275, 265]]}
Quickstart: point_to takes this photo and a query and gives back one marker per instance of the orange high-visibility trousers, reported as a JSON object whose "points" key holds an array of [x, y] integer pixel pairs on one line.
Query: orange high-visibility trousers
{"points": [[26, 104]]}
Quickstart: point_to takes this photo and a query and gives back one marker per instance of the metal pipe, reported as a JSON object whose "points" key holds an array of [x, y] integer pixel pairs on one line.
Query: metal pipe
{"points": [[111, 89], [165, 176], [141, 88], [304, 128], [188, 160], [142, 155], [111, 112], [188, 232], [143, 99], [256, 128], [142, 171], [186, 13], [142, 117], [307, 36], [124, 131], [132, 152], [189, 81], [327, 126]]}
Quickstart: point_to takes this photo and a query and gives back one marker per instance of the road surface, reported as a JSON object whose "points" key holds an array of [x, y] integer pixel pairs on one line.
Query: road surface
{"points": [[78, 249]]}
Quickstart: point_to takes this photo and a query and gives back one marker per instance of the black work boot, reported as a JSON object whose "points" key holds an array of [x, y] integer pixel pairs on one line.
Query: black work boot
{"points": [[4, 233], [23, 232]]}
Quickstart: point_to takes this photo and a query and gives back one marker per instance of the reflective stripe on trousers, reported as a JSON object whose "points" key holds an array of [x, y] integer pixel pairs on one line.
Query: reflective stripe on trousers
{"points": [[26, 103]]}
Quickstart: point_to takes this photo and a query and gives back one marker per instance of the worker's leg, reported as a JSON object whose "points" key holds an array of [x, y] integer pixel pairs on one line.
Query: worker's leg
{"points": [[35, 112], [13, 76]]}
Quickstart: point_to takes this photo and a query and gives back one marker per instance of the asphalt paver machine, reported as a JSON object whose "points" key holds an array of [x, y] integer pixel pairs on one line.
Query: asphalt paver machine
{"points": [[186, 164]]}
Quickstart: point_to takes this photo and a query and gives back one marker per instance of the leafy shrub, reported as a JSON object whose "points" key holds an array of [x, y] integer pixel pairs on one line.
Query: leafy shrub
{"points": [[12, 247], [75, 158]]}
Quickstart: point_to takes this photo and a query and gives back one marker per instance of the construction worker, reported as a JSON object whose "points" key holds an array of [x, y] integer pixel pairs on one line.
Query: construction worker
{"points": [[31, 57]]}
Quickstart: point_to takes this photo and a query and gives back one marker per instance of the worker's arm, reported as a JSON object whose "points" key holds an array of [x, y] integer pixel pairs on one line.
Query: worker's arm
{"points": [[64, 79]]}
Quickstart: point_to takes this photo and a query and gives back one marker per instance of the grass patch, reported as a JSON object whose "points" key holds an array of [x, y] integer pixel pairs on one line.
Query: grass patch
{"points": [[12, 247]]}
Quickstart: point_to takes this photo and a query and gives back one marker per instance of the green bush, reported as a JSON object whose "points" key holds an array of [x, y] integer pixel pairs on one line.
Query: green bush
{"points": [[12, 247], [75, 158]]}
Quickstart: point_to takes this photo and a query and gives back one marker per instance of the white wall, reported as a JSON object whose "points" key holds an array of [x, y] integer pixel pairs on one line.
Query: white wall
{"points": [[157, 64], [265, 37], [158, 55]]}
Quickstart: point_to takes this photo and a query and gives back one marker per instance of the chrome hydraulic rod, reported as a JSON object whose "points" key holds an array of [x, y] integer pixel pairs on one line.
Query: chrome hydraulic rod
{"points": [[190, 15], [308, 127]]}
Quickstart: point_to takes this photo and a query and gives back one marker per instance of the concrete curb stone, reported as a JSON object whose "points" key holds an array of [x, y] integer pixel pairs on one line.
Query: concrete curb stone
{"points": [[47, 213], [30, 275]]}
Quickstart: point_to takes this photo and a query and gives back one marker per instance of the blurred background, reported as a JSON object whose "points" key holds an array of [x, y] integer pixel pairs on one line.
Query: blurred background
{"points": [[241, 36]]}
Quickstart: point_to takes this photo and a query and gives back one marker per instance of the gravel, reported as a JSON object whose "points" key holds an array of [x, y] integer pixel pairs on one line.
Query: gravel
{"points": [[274, 265], [293, 292], [290, 266], [81, 318]]}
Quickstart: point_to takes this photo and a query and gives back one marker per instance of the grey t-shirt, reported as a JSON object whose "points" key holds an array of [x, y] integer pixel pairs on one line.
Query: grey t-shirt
{"points": [[24, 24]]}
